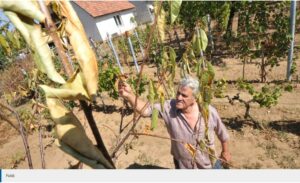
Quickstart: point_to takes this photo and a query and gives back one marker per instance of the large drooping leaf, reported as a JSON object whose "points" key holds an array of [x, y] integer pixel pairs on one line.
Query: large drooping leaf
{"points": [[70, 131], [174, 9], [83, 52], [24, 7], [199, 41], [211, 72], [44, 53], [73, 89], [69, 150], [15, 19], [32, 34]]}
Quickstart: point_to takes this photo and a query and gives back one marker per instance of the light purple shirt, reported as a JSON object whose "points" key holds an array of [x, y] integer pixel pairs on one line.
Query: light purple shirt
{"points": [[178, 128]]}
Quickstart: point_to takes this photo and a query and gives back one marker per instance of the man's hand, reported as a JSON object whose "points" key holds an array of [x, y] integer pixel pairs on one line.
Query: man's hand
{"points": [[225, 155], [125, 90]]}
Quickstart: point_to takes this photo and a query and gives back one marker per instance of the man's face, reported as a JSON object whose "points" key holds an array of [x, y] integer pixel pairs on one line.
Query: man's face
{"points": [[184, 98]]}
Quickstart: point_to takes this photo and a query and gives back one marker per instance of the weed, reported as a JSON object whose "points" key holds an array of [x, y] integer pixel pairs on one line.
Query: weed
{"points": [[145, 159], [28, 119], [271, 150]]}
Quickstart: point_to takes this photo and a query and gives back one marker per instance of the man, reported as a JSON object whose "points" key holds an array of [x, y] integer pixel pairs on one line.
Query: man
{"points": [[184, 122]]}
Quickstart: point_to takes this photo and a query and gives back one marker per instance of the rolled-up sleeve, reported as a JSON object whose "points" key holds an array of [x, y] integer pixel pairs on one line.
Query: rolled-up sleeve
{"points": [[164, 114], [219, 126], [148, 111]]}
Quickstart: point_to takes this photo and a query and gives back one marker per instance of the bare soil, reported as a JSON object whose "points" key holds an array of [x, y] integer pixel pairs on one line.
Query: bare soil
{"points": [[277, 146]]}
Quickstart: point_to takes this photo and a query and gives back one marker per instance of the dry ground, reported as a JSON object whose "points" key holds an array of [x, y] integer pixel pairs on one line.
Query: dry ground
{"points": [[277, 146]]}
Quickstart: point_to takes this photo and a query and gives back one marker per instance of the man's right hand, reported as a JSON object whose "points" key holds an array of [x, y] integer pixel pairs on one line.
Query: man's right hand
{"points": [[125, 90]]}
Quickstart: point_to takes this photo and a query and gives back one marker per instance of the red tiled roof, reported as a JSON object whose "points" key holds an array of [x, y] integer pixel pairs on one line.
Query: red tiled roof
{"points": [[99, 8]]}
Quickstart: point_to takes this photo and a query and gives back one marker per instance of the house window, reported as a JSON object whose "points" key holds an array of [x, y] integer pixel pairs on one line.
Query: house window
{"points": [[118, 19]]}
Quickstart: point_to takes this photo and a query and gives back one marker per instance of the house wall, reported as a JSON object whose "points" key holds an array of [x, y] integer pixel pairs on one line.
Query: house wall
{"points": [[106, 24], [88, 22], [143, 14]]}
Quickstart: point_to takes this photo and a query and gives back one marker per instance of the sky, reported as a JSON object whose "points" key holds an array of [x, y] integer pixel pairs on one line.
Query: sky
{"points": [[3, 17]]}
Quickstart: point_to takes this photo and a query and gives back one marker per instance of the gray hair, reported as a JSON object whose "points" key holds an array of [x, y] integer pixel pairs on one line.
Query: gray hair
{"points": [[191, 83]]}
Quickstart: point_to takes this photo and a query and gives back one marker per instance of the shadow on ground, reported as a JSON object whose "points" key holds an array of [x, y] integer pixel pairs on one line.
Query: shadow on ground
{"points": [[291, 126], [236, 123], [139, 166], [109, 109]]}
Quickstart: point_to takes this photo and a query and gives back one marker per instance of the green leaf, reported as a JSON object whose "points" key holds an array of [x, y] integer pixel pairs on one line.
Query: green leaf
{"points": [[164, 59], [205, 78], [174, 9], [70, 131], [154, 118], [17, 42], [199, 41], [13, 39], [288, 88], [4, 44], [171, 87], [211, 72], [172, 56], [151, 94], [207, 94]]}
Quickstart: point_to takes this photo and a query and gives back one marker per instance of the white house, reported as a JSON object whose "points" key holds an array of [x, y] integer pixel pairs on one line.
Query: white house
{"points": [[102, 17], [144, 11]]}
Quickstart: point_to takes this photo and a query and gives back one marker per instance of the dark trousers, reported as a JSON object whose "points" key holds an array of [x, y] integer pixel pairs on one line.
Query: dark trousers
{"points": [[176, 163]]}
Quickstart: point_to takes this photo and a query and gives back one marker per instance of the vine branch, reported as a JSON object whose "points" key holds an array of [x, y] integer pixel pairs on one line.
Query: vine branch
{"points": [[23, 134]]}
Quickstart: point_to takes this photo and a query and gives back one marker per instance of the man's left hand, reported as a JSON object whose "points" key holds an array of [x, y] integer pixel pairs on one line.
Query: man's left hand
{"points": [[225, 155]]}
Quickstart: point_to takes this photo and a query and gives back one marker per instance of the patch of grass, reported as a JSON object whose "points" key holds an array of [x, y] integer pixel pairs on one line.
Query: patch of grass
{"points": [[282, 136], [271, 150], [143, 158]]}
